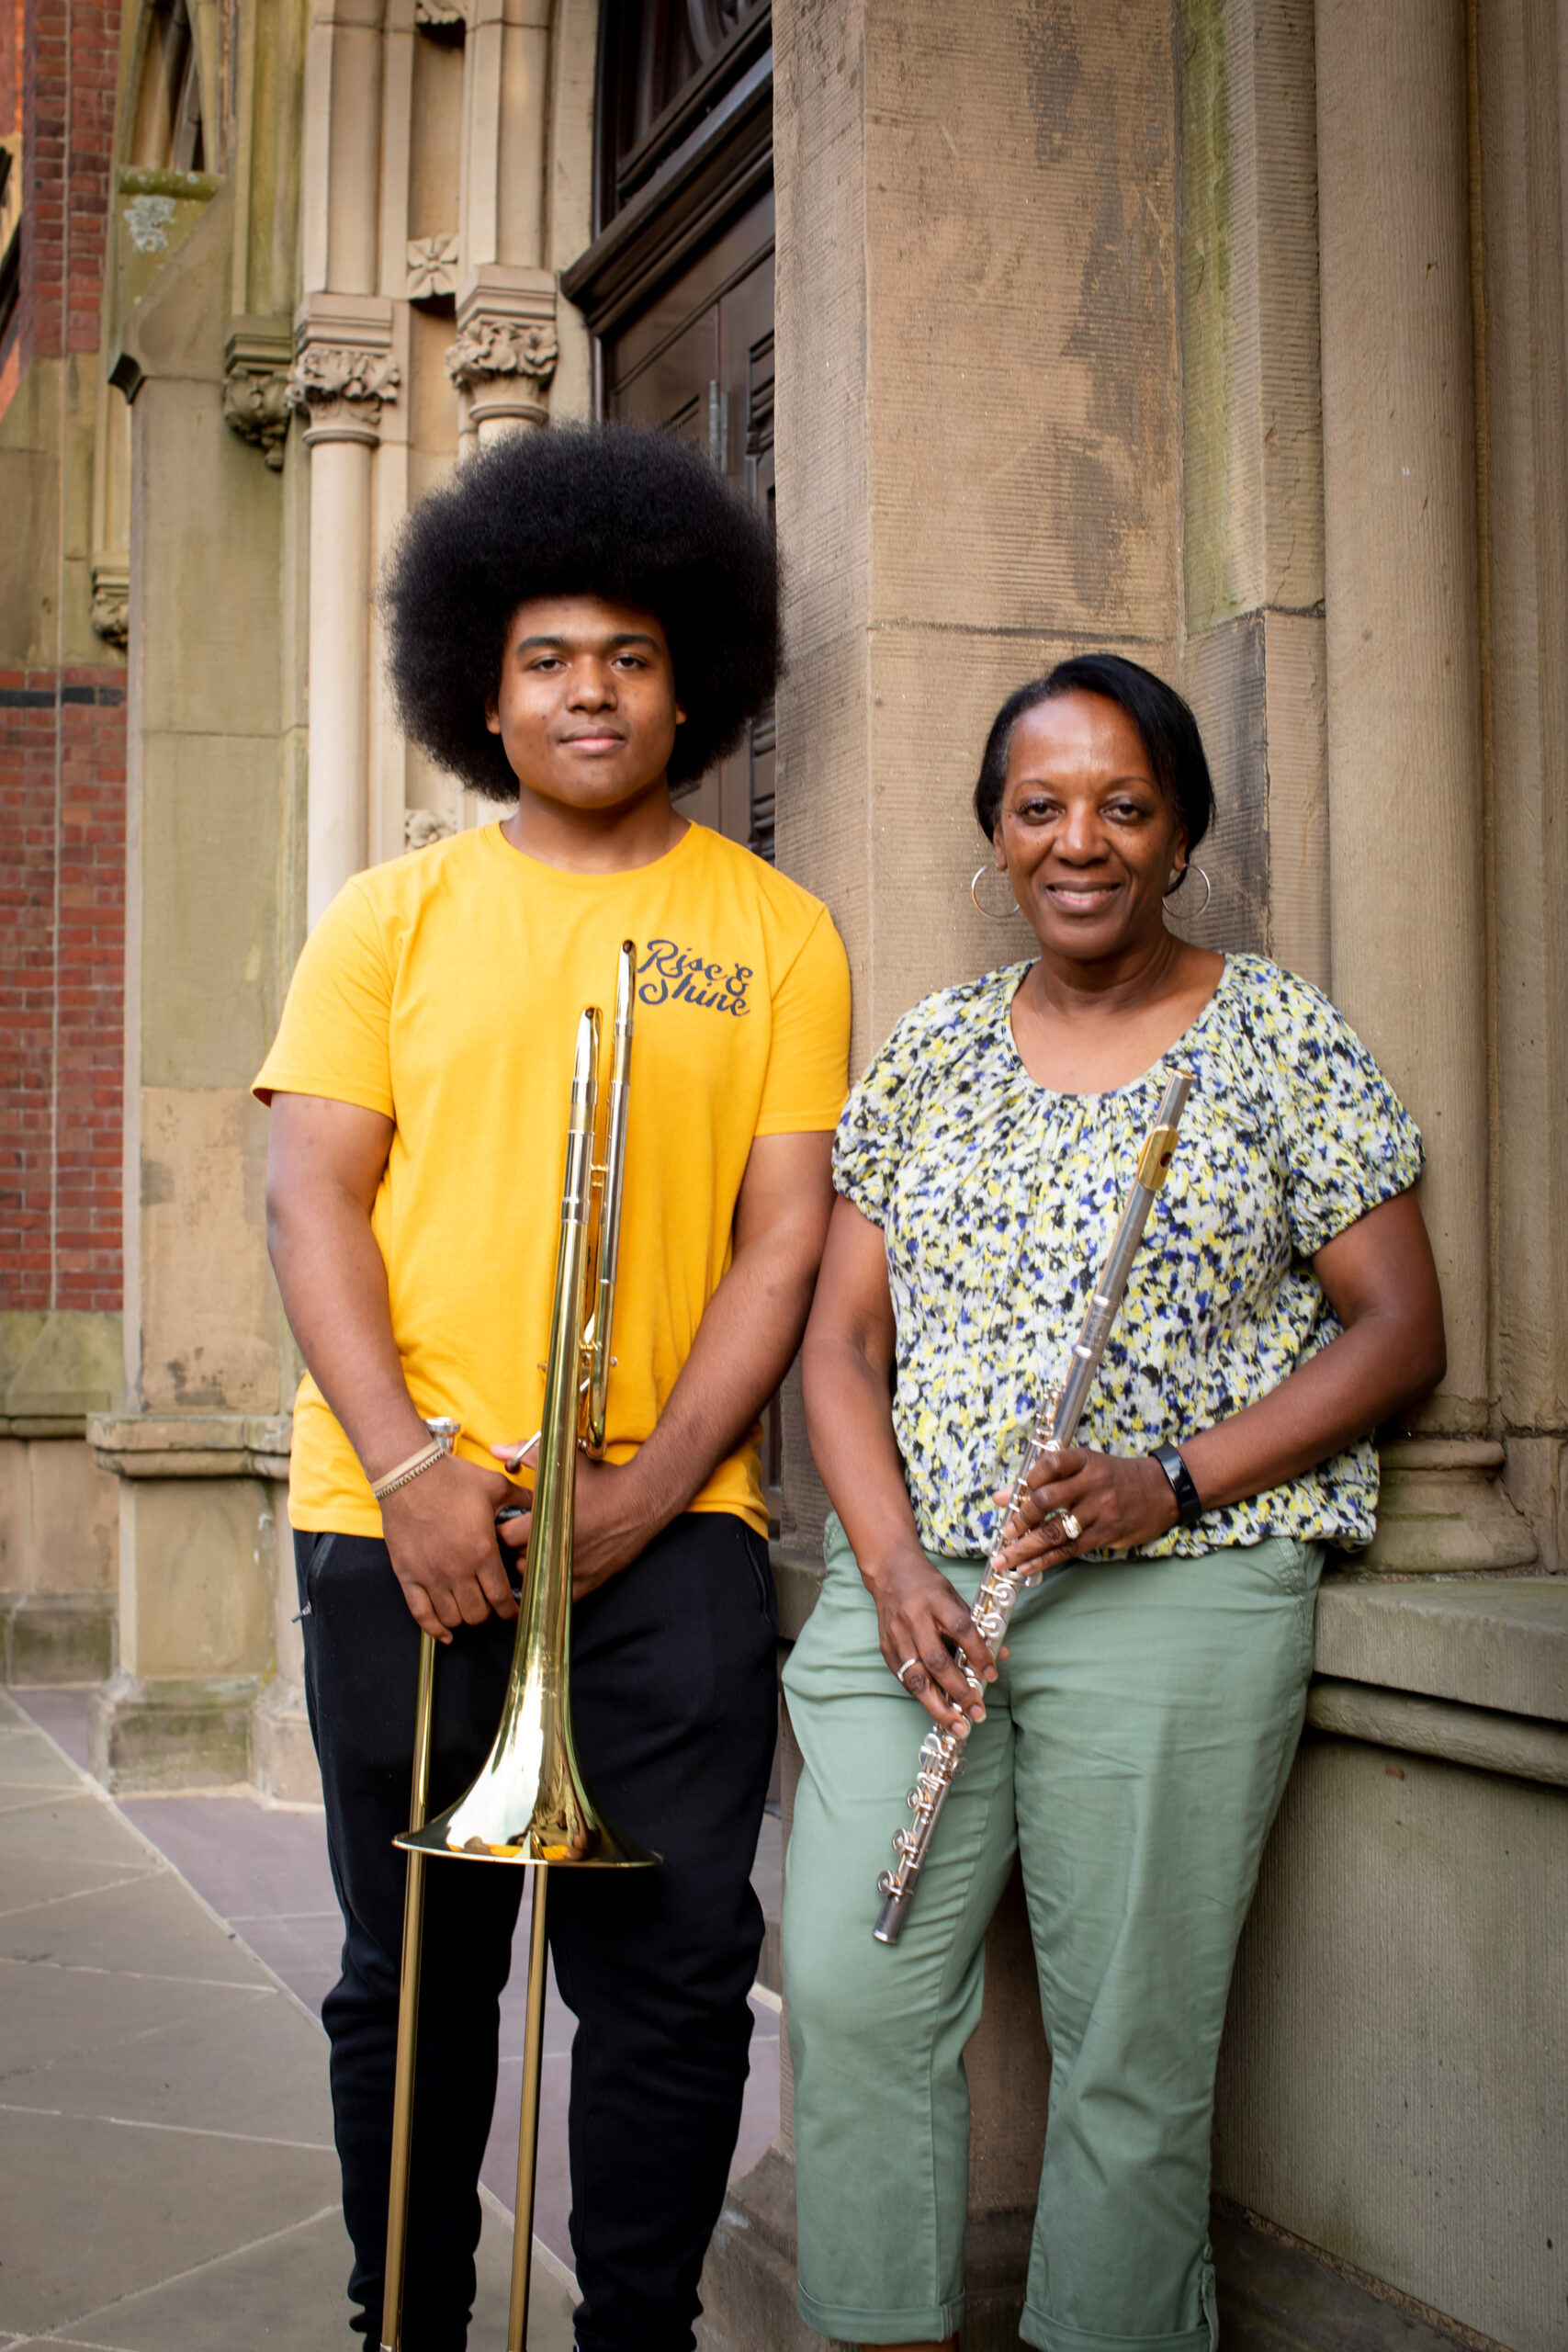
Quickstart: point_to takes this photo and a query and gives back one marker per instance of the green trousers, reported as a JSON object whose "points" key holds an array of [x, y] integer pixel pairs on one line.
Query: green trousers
{"points": [[1135, 1747]]}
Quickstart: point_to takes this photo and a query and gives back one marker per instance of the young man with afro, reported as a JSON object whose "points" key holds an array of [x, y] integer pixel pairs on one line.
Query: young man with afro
{"points": [[581, 620]]}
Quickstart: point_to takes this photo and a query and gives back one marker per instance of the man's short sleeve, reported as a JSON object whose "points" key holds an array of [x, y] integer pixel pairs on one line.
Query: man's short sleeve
{"points": [[809, 1063], [332, 1038]]}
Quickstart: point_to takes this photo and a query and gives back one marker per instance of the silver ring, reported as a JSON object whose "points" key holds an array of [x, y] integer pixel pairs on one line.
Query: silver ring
{"points": [[1070, 1527], [913, 1659]]}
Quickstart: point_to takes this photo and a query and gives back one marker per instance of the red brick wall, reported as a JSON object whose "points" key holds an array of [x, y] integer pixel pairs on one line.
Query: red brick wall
{"points": [[62, 986], [69, 65]]}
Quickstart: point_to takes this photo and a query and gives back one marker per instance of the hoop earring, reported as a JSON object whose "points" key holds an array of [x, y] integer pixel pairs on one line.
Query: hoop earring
{"points": [[1208, 886], [975, 894]]}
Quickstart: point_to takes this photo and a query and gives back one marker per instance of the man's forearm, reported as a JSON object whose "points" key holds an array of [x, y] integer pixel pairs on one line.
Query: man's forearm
{"points": [[745, 1343], [334, 1284]]}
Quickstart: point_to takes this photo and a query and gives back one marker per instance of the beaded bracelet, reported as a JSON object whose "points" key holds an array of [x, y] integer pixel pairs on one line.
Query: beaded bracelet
{"points": [[414, 1467]]}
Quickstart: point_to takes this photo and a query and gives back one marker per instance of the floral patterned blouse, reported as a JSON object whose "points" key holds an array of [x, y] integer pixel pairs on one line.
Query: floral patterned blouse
{"points": [[998, 1199]]}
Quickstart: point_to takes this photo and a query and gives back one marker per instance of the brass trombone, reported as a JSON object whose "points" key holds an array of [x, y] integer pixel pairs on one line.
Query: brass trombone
{"points": [[529, 1805]]}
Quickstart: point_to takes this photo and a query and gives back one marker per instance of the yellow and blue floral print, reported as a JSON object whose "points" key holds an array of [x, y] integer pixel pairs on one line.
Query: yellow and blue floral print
{"points": [[996, 1201]]}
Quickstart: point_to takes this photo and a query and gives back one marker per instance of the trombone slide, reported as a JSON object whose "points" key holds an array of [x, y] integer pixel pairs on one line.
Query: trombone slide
{"points": [[529, 1805]]}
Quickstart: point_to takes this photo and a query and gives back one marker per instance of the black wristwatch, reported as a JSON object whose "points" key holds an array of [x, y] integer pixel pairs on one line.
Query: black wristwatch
{"points": [[1188, 1509]]}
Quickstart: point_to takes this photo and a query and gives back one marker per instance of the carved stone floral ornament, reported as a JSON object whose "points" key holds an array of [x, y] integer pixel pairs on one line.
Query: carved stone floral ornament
{"points": [[491, 348], [433, 267], [340, 389]]}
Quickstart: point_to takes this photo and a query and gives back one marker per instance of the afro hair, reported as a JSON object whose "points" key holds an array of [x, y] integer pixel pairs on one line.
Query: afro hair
{"points": [[612, 511]]}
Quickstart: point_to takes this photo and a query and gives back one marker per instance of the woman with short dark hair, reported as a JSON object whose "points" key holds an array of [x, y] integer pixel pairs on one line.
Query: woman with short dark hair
{"points": [[1132, 1742]]}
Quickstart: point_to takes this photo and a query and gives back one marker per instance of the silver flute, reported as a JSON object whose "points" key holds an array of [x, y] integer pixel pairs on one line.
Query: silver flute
{"points": [[941, 1752]]}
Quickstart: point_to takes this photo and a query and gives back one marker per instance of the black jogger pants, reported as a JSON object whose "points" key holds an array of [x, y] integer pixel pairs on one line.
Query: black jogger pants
{"points": [[674, 1707]]}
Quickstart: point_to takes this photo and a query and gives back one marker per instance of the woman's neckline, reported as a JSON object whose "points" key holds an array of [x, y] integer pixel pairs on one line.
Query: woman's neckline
{"points": [[1105, 1093]]}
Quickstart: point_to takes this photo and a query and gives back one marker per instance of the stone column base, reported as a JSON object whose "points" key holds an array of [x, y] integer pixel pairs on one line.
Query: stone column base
{"points": [[192, 1733], [283, 1754], [49, 1638], [1443, 1511]]}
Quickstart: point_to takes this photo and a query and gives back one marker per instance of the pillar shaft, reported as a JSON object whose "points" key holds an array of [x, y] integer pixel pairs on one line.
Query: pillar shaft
{"points": [[1404, 754], [340, 667]]}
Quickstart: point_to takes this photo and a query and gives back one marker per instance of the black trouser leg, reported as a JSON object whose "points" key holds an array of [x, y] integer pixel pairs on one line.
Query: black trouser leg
{"points": [[675, 1706], [361, 1660]]}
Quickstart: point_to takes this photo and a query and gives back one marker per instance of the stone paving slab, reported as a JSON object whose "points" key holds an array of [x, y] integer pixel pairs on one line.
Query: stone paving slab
{"points": [[166, 2173], [227, 2062]]}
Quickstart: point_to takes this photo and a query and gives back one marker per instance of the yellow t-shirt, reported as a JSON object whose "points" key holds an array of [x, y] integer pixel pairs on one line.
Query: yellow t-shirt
{"points": [[443, 990]]}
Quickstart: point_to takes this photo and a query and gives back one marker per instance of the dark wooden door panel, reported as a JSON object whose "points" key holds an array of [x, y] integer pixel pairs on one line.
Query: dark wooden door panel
{"points": [[699, 362]]}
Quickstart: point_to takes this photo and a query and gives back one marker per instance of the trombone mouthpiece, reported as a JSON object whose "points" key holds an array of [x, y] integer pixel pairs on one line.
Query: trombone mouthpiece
{"points": [[625, 982], [585, 1066]]}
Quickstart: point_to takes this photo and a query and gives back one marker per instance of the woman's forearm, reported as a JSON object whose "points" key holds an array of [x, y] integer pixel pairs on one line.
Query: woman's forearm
{"points": [[1360, 1380], [849, 1422], [1380, 1280]]}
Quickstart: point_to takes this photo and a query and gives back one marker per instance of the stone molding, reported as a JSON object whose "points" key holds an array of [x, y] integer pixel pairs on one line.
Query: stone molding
{"points": [[506, 350], [441, 17], [1483, 1737], [257, 357], [195, 1445], [343, 370], [111, 599]]}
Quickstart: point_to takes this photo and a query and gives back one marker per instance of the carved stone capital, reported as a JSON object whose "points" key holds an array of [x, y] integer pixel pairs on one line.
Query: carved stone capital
{"points": [[442, 16], [340, 391], [506, 349], [344, 371], [256, 355], [111, 599], [423, 826], [493, 347]]}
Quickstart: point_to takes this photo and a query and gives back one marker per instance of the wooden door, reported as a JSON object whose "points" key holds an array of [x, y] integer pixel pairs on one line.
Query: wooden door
{"points": [[699, 361]]}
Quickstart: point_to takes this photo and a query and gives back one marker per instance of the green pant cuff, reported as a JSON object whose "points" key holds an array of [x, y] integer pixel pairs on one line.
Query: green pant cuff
{"points": [[918, 2324], [1056, 2335]]}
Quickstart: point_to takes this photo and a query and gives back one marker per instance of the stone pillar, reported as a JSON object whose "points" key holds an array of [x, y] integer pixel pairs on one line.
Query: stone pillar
{"points": [[1404, 740], [195, 1436], [979, 470], [506, 349], [350, 348], [340, 385], [1252, 658], [1523, 143]]}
